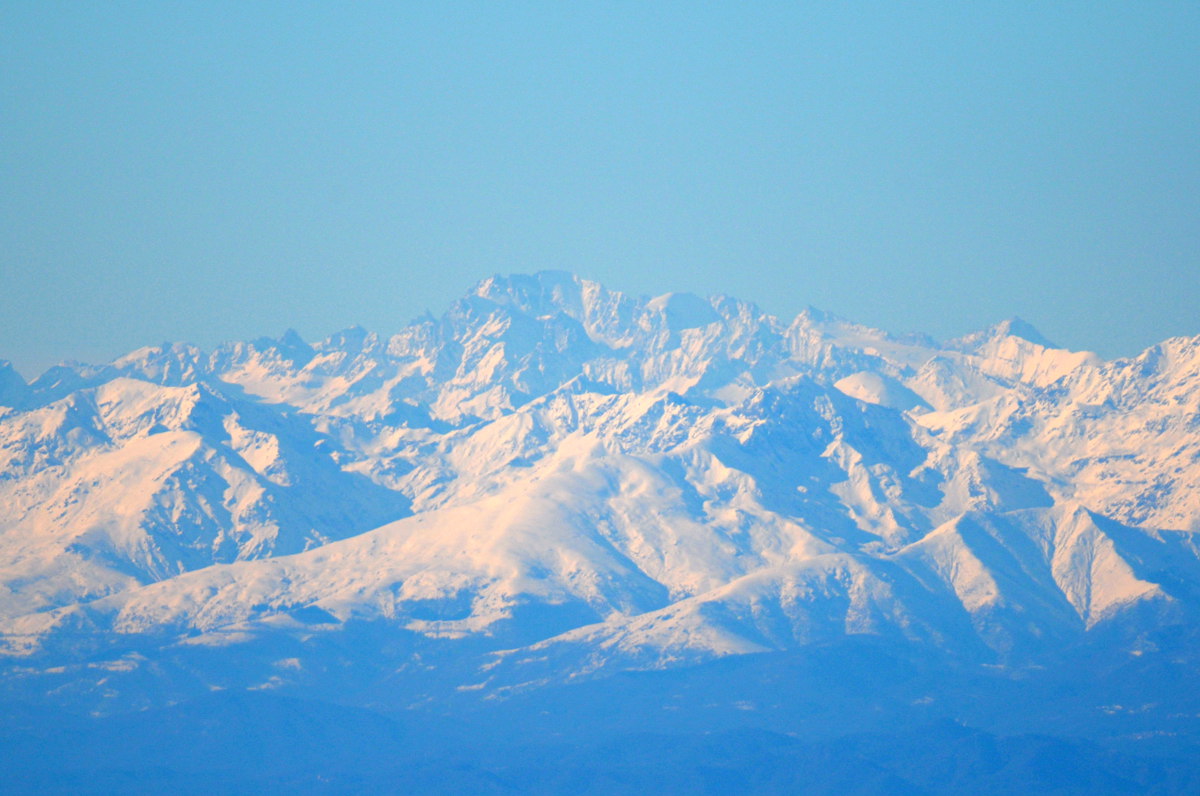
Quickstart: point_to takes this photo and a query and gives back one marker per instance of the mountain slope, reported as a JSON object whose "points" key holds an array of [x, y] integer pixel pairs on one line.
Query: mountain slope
{"points": [[554, 482]]}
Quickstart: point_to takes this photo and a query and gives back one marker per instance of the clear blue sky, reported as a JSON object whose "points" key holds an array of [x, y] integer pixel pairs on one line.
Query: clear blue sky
{"points": [[210, 171]]}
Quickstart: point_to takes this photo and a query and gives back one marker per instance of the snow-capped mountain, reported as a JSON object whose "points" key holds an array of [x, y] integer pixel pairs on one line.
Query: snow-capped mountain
{"points": [[554, 482]]}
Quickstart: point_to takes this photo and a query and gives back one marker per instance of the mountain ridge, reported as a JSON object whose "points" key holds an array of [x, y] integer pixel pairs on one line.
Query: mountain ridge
{"points": [[552, 471]]}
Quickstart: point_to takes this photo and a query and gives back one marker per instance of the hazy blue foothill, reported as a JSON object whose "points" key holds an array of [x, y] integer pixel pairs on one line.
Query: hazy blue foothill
{"points": [[568, 743]]}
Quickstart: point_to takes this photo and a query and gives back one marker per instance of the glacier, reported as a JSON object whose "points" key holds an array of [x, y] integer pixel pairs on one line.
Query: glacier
{"points": [[558, 507]]}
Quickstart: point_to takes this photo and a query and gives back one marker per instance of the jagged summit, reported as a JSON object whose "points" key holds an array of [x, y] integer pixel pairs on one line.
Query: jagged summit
{"points": [[541, 293], [551, 482]]}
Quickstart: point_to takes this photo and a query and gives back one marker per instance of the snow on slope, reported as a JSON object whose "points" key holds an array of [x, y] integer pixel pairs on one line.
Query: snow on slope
{"points": [[129, 482], [603, 481]]}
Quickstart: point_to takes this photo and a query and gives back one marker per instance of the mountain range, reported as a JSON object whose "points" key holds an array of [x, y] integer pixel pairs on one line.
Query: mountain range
{"points": [[559, 500]]}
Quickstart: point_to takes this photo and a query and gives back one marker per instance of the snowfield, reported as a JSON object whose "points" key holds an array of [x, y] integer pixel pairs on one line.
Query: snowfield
{"points": [[554, 482]]}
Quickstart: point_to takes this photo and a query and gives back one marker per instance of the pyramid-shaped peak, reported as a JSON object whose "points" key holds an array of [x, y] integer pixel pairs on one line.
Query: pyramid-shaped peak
{"points": [[13, 389], [1019, 327], [1012, 327], [292, 339], [6, 367]]}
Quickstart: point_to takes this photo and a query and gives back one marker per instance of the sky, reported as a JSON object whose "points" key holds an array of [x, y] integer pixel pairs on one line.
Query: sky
{"points": [[210, 171]]}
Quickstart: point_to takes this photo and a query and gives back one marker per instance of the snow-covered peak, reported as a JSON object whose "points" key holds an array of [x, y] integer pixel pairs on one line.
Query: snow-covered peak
{"points": [[1012, 327], [1014, 352], [167, 364], [542, 293], [681, 311], [605, 481]]}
